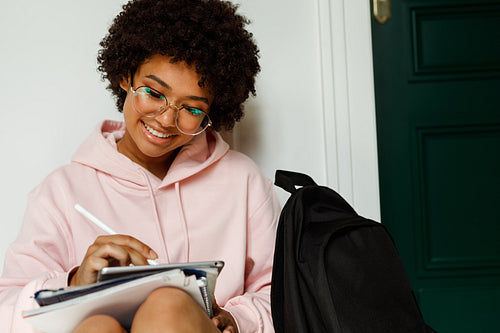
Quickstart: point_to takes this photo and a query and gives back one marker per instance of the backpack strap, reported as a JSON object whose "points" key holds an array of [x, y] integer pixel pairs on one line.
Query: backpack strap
{"points": [[288, 180]]}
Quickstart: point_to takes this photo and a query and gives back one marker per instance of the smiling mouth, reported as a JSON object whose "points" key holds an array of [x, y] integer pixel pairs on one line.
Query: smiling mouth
{"points": [[156, 133]]}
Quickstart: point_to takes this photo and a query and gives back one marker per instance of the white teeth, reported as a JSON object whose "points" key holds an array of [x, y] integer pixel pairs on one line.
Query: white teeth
{"points": [[156, 133]]}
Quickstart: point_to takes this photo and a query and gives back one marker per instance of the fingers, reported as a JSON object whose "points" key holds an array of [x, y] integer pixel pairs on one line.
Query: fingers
{"points": [[224, 320], [111, 250], [127, 242], [115, 254], [217, 323], [220, 323]]}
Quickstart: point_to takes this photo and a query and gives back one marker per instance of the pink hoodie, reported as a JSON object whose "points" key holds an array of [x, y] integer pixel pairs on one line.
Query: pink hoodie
{"points": [[213, 204]]}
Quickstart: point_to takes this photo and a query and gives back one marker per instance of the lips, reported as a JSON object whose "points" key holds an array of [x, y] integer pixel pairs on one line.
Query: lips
{"points": [[156, 133]]}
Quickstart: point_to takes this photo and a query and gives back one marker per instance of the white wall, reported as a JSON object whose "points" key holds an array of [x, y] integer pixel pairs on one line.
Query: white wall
{"points": [[283, 128], [313, 111]]}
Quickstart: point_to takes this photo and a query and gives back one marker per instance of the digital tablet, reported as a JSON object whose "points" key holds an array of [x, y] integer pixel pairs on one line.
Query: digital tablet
{"points": [[108, 273]]}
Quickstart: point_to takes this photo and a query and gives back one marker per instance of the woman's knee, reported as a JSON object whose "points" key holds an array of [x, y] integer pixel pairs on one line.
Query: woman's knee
{"points": [[169, 300], [99, 323], [171, 310]]}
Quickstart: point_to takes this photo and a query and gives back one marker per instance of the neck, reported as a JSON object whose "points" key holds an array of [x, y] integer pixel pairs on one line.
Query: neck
{"points": [[158, 166], [161, 168]]}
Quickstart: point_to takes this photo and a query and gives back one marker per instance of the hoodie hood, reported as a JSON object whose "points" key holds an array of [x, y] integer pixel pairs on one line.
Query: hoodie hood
{"points": [[99, 151]]}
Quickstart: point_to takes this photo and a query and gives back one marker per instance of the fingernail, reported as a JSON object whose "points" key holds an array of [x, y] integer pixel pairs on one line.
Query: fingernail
{"points": [[153, 255], [153, 262]]}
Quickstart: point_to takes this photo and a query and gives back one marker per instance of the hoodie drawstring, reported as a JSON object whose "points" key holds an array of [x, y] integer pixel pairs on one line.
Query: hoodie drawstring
{"points": [[157, 219], [184, 223]]}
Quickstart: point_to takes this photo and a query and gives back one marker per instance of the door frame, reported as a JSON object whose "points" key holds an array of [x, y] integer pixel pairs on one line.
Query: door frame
{"points": [[349, 102]]}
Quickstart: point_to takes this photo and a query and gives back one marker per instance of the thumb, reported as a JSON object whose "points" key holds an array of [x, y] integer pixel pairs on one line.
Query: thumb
{"points": [[215, 307]]}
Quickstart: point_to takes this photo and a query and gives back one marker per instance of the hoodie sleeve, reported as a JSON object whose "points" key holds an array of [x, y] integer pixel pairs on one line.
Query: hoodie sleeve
{"points": [[38, 259], [252, 310]]}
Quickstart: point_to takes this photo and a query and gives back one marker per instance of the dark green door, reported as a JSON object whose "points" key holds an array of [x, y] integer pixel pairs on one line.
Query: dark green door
{"points": [[437, 88]]}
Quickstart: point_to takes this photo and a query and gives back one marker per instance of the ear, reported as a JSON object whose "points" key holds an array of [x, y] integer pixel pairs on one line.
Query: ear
{"points": [[125, 83]]}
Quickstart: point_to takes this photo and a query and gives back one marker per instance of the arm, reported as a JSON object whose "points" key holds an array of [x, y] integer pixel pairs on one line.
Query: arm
{"points": [[39, 258], [252, 310], [43, 256]]}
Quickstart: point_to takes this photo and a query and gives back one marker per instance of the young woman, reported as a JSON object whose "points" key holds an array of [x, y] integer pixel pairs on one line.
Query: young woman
{"points": [[164, 178]]}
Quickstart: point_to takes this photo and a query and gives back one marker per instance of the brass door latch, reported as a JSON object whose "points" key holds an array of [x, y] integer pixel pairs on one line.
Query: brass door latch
{"points": [[382, 10]]}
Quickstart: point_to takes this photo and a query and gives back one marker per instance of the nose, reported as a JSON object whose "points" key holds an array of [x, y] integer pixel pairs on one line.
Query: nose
{"points": [[167, 116]]}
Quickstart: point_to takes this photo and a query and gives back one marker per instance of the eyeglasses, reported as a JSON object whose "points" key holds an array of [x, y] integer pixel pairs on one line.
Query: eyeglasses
{"points": [[151, 103]]}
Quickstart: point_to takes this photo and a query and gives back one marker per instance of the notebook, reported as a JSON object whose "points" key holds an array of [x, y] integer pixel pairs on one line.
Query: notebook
{"points": [[119, 294]]}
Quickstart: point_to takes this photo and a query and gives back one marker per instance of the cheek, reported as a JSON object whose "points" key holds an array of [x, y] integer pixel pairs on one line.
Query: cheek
{"points": [[129, 113], [127, 105]]}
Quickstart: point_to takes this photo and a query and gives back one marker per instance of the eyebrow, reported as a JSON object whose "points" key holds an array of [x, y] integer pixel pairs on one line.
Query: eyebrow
{"points": [[166, 86]]}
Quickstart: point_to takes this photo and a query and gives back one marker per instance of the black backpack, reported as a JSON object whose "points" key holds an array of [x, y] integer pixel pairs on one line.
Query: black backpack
{"points": [[335, 271]]}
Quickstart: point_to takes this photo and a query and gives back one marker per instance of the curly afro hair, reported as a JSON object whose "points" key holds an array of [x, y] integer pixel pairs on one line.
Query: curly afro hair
{"points": [[207, 34]]}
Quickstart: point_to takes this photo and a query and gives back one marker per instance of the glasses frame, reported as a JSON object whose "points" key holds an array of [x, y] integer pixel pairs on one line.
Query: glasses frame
{"points": [[164, 109]]}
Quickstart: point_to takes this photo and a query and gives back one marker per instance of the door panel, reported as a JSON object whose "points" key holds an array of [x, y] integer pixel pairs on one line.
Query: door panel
{"points": [[469, 300], [437, 88], [452, 200], [455, 42]]}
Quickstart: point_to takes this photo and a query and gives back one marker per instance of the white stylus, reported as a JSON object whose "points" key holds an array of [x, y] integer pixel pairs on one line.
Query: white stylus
{"points": [[103, 226]]}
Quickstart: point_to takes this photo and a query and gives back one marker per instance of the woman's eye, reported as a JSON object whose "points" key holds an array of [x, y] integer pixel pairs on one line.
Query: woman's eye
{"points": [[194, 111], [153, 93]]}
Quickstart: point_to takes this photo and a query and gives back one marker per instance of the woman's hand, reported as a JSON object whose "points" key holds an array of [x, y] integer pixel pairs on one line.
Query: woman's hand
{"points": [[223, 320], [114, 250]]}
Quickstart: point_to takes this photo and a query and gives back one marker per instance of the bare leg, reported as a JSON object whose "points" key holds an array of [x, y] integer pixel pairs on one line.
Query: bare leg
{"points": [[101, 324], [171, 310]]}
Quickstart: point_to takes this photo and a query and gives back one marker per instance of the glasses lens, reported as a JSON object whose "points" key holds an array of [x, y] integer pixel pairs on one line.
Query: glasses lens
{"points": [[192, 121], [148, 102]]}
